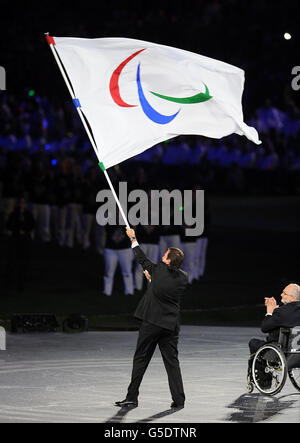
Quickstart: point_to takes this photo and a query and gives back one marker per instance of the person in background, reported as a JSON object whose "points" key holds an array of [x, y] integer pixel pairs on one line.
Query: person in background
{"points": [[116, 251], [20, 224], [202, 242], [286, 315]]}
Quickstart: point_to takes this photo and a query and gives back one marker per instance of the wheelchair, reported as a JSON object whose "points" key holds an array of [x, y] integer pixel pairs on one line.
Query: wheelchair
{"points": [[270, 366]]}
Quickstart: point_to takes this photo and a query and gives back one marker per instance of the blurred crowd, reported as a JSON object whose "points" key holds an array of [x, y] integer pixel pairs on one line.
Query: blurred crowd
{"points": [[45, 156]]}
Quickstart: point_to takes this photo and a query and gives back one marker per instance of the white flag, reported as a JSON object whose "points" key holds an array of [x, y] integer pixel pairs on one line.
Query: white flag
{"points": [[136, 94]]}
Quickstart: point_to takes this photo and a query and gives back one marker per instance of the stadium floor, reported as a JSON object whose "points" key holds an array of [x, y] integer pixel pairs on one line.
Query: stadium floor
{"points": [[59, 377]]}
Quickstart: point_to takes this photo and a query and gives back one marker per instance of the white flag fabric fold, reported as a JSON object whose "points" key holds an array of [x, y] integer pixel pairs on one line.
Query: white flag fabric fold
{"points": [[136, 94]]}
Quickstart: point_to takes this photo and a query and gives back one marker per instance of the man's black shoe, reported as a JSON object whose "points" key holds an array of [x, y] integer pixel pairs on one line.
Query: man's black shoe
{"points": [[176, 406], [126, 403]]}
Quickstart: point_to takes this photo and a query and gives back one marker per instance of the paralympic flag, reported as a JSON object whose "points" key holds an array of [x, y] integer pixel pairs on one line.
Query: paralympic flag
{"points": [[135, 94]]}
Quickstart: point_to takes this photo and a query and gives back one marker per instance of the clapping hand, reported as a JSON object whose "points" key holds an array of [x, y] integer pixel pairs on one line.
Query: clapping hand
{"points": [[270, 304]]}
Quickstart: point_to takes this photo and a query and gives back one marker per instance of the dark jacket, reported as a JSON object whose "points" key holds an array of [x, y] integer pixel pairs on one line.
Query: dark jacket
{"points": [[285, 316], [116, 237], [161, 303], [18, 221]]}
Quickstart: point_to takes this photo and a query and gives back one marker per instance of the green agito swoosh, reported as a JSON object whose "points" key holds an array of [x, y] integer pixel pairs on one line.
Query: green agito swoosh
{"points": [[198, 98]]}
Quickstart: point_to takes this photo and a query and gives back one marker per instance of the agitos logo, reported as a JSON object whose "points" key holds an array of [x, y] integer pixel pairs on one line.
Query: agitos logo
{"points": [[148, 110]]}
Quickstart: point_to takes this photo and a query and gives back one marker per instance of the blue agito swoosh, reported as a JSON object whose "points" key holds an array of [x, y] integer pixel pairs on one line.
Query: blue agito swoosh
{"points": [[148, 109]]}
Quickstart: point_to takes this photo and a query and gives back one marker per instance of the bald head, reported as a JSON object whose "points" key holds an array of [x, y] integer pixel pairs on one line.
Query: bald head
{"points": [[295, 291], [290, 293]]}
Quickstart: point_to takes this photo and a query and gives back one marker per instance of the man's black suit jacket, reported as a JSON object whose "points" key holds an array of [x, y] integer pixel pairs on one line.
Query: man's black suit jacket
{"points": [[285, 316], [161, 303]]}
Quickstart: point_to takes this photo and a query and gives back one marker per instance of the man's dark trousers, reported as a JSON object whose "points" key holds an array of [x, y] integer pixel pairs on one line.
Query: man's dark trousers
{"points": [[149, 336]]}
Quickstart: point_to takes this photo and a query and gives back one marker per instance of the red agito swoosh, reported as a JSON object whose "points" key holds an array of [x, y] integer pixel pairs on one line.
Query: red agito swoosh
{"points": [[114, 82]]}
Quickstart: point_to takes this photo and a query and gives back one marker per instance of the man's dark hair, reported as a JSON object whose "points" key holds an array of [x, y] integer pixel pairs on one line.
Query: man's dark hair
{"points": [[176, 256]]}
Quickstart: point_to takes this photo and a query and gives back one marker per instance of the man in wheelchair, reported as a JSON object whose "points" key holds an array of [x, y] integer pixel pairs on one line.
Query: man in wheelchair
{"points": [[287, 315]]}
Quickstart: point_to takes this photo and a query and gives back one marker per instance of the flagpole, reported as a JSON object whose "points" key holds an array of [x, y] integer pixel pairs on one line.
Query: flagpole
{"points": [[51, 43]]}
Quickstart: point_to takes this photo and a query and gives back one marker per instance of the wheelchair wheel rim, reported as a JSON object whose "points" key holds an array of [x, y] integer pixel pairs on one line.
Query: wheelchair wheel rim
{"points": [[294, 375], [269, 370]]}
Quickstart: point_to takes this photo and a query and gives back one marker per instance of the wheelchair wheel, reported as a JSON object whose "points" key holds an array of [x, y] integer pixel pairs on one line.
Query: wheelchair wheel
{"points": [[294, 375], [250, 386], [269, 369]]}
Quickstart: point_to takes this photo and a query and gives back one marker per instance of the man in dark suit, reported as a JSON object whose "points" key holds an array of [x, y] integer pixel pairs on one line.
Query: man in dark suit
{"points": [[287, 315], [159, 312]]}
